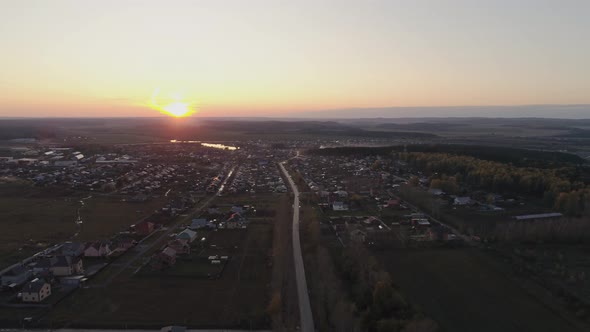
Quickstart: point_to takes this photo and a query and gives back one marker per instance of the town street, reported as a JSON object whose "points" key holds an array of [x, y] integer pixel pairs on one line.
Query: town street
{"points": [[304, 305]]}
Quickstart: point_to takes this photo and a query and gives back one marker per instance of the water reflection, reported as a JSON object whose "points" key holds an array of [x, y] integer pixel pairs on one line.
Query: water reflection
{"points": [[219, 146], [208, 145]]}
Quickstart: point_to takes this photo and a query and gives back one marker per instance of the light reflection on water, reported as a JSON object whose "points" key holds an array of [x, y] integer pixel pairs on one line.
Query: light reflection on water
{"points": [[208, 145], [220, 146]]}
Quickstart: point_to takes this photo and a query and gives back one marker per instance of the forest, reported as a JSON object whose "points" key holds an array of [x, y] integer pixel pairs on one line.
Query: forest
{"points": [[562, 187], [515, 156]]}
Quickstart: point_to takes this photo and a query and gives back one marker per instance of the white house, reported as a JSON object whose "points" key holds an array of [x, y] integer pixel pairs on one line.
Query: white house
{"points": [[462, 201], [36, 291], [339, 206]]}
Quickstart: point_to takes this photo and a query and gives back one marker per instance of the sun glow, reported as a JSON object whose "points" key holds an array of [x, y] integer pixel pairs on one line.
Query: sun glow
{"points": [[173, 106], [178, 109]]}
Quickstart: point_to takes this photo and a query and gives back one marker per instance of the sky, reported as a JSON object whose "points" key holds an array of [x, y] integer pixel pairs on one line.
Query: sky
{"points": [[292, 58]]}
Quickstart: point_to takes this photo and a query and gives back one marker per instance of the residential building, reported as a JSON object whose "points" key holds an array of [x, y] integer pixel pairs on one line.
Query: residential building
{"points": [[339, 206], [187, 235], [74, 249], [17, 275], [199, 223], [97, 249], [36, 291]]}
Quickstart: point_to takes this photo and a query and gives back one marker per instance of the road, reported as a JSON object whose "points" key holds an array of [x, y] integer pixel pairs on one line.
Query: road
{"points": [[302, 294]]}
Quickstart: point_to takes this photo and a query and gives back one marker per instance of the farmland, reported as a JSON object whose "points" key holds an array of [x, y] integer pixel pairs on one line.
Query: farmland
{"points": [[463, 290], [39, 217]]}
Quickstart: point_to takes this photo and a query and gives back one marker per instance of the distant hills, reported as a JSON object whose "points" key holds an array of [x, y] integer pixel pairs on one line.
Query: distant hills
{"points": [[574, 111]]}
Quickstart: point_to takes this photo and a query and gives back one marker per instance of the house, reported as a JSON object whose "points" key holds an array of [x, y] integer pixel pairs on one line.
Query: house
{"points": [[166, 258], [421, 222], [234, 221], [123, 242], [76, 281], [74, 249], [237, 209], [181, 247], [97, 249], [36, 291], [59, 266], [393, 203], [17, 275], [462, 201], [144, 228], [436, 192], [358, 236], [339, 206], [341, 193], [67, 265], [187, 235], [199, 223]]}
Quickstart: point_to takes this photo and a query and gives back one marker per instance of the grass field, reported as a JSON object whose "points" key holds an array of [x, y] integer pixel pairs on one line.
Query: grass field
{"points": [[464, 291], [238, 298], [33, 218]]}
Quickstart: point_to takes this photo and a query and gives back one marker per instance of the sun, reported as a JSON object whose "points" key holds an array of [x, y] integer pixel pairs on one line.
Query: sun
{"points": [[178, 109], [173, 105]]}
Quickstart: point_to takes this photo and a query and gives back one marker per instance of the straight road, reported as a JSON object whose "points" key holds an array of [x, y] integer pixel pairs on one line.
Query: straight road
{"points": [[303, 296]]}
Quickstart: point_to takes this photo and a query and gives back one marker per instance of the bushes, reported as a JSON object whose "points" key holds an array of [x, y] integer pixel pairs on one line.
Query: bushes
{"points": [[382, 306]]}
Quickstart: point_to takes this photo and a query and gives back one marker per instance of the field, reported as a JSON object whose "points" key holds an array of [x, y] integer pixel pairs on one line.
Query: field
{"points": [[34, 218], [464, 290]]}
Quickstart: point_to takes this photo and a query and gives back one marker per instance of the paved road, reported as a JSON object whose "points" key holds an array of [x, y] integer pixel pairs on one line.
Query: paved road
{"points": [[303, 296]]}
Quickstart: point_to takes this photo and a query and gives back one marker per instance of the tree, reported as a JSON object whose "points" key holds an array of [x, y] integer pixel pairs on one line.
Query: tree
{"points": [[421, 325], [386, 300], [274, 306]]}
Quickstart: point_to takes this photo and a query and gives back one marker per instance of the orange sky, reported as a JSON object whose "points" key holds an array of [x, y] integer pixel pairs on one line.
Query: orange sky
{"points": [[271, 58]]}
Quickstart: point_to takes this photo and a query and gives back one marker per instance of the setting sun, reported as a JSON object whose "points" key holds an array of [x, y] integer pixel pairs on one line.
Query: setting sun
{"points": [[178, 109], [173, 105]]}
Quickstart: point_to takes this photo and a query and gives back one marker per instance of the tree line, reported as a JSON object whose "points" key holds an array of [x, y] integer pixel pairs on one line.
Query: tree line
{"points": [[562, 187]]}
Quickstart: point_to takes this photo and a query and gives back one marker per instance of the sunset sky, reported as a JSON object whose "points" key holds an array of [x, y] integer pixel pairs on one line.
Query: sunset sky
{"points": [[283, 58]]}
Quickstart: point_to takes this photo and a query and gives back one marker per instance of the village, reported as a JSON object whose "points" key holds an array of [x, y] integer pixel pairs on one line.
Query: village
{"points": [[183, 217], [208, 196]]}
